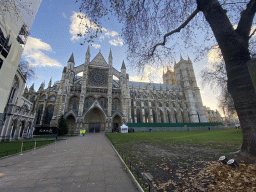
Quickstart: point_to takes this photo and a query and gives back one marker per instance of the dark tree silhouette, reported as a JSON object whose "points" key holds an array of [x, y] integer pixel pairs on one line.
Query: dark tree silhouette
{"points": [[62, 126]]}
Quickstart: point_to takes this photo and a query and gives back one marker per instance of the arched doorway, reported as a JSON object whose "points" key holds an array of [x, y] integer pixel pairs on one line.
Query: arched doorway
{"points": [[146, 116], [22, 128], [154, 116], [95, 120], [161, 117], [168, 117], [14, 127], [71, 124], [116, 123], [138, 116]]}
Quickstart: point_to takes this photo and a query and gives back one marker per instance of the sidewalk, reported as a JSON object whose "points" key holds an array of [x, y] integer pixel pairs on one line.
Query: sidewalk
{"points": [[86, 163]]}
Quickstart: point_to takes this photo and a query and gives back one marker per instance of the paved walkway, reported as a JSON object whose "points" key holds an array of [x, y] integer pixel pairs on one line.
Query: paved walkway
{"points": [[86, 163]]}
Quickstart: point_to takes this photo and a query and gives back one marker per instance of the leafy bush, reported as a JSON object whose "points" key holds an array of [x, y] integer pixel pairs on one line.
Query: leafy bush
{"points": [[62, 126]]}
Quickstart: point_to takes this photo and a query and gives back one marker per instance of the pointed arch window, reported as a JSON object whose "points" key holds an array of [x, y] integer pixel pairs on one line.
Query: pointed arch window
{"points": [[52, 98], [39, 114], [43, 98], [48, 114]]}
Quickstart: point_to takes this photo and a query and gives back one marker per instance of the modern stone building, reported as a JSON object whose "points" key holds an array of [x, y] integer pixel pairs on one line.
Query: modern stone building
{"points": [[14, 31], [98, 102], [212, 116]]}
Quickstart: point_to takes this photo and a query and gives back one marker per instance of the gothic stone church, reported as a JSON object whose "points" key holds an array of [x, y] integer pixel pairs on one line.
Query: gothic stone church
{"points": [[98, 102]]}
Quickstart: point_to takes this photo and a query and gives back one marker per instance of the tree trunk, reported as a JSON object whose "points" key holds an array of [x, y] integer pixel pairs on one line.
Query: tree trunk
{"points": [[236, 54]]}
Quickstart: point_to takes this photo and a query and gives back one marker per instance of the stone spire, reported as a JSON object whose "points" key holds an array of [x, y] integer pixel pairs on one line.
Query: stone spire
{"points": [[50, 82], [26, 89], [42, 85], [71, 59], [87, 55], [110, 58], [31, 89], [189, 60], [181, 58], [123, 65]]}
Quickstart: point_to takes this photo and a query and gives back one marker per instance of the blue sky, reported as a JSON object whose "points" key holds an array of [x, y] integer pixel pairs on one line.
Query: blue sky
{"points": [[53, 39]]}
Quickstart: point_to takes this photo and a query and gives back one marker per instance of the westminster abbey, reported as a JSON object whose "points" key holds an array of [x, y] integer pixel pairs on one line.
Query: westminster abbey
{"points": [[96, 101]]}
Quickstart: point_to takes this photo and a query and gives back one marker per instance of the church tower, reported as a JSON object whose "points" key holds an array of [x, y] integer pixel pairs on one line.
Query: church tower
{"points": [[185, 78], [169, 77]]}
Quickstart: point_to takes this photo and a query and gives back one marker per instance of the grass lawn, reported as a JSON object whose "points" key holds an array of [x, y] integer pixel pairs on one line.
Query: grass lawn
{"points": [[213, 138], [9, 148], [172, 154]]}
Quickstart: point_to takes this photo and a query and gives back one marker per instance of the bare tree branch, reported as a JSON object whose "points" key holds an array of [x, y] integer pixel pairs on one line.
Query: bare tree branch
{"points": [[245, 23], [175, 31]]}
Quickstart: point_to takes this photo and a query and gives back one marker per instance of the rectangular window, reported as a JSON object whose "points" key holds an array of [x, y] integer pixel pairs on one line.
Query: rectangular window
{"points": [[1, 63], [4, 47]]}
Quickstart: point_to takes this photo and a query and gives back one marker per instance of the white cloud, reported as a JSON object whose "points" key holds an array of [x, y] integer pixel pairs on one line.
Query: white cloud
{"points": [[96, 46], [64, 15], [80, 24], [34, 55], [150, 74], [111, 33], [102, 37], [116, 42]]}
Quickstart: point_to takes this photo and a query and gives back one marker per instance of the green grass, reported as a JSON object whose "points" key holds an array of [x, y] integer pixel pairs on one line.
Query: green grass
{"points": [[9, 148], [198, 137], [227, 140]]}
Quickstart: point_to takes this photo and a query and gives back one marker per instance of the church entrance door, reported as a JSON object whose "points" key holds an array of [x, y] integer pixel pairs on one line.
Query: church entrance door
{"points": [[116, 123], [115, 127], [71, 124], [94, 120], [94, 127]]}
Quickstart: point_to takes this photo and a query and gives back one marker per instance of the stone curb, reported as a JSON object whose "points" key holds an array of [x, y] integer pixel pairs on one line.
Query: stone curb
{"points": [[24, 151], [135, 182]]}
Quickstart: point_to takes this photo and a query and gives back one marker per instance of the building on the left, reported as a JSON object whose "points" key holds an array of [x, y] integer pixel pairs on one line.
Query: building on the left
{"points": [[16, 18]]}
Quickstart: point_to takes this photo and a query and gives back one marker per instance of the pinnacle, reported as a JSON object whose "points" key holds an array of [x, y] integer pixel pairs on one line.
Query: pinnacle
{"points": [[71, 59], [110, 53], [181, 58], [123, 65]]}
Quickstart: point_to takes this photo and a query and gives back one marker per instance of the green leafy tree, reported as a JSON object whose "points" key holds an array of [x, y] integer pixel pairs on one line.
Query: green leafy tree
{"points": [[155, 27], [62, 126]]}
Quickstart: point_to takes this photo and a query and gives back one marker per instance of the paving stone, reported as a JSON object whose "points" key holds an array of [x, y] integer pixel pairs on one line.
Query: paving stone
{"points": [[87, 164]]}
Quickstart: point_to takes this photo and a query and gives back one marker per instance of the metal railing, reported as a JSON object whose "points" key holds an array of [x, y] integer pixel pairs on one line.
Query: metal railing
{"points": [[24, 148]]}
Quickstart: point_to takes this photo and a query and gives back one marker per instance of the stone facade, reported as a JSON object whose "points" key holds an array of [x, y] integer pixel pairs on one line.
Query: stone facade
{"points": [[96, 101], [18, 117], [212, 116]]}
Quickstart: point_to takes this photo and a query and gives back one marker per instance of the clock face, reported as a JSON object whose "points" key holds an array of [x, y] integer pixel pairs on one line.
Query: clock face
{"points": [[98, 78]]}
